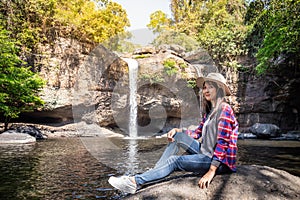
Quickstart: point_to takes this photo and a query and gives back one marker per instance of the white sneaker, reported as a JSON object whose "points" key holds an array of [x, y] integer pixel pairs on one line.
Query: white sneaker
{"points": [[123, 183]]}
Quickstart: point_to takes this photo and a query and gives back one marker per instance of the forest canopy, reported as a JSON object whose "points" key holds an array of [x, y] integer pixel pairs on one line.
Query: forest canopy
{"points": [[34, 21], [231, 30], [263, 30]]}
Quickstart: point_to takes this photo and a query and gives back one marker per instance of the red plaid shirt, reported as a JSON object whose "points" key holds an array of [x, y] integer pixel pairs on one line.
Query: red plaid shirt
{"points": [[226, 147]]}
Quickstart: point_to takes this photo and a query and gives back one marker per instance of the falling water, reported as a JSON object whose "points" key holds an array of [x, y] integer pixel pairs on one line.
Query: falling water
{"points": [[133, 70], [132, 149]]}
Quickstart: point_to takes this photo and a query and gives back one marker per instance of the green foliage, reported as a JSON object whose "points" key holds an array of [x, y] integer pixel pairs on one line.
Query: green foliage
{"points": [[216, 25], [19, 86], [35, 21], [85, 21], [224, 33], [142, 56], [182, 65], [28, 21], [172, 37], [280, 35], [223, 44], [152, 78], [170, 66], [120, 43], [158, 22], [191, 83], [188, 16]]}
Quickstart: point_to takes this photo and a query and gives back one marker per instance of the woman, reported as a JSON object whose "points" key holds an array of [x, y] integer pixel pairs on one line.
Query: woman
{"points": [[211, 148]]}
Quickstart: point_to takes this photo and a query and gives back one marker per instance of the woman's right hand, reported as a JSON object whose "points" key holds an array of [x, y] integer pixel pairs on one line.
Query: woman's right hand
{"points": [[171, 134]]}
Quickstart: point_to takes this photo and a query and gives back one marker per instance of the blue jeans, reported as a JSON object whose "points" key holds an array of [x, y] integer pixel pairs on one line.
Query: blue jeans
{"points": [[170, 161]]}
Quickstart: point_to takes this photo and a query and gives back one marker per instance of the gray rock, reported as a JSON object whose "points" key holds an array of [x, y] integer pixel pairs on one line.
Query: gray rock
{"points": [[292, 135], [265, 130], [246, 136], [31, 130], [13, 137], [250, 182]]}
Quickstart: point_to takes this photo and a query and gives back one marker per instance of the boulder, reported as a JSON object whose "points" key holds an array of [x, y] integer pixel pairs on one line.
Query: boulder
{"points": [[265, 130], [13, 137], [250, 182], [31, 130]]}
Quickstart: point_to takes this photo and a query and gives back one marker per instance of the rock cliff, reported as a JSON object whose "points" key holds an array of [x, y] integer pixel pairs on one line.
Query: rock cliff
{"points": [[271, 98], [91, 84]]}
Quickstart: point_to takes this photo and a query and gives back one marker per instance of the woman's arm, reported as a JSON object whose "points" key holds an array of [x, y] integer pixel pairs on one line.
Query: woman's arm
{"points": [[227, 127], [171, 134], [207, 178], [197, 133], [226, 147]]}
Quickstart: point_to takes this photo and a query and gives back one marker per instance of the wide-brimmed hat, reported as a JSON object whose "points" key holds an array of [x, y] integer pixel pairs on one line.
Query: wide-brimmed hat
{"points": [[214, 77]]}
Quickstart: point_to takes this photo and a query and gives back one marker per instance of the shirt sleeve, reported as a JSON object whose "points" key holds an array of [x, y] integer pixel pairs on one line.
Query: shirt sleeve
{"points": [[197, 133], [225, 131]]}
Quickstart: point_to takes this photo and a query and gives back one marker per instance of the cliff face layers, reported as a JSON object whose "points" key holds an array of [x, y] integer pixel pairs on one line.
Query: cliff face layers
{"points": [[270, 98], [91, 84], [80, 80]]}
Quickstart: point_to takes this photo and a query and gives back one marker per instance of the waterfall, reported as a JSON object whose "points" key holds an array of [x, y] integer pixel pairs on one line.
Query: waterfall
{"points": [[132, 124], [133, 71]]}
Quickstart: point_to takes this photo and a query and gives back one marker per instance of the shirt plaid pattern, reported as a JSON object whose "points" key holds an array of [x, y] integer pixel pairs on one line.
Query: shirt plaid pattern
{"points": [[226, 147]]}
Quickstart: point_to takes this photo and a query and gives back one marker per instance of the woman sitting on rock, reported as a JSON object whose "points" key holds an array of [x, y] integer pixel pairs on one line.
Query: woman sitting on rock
{"points": [[210, 149]]}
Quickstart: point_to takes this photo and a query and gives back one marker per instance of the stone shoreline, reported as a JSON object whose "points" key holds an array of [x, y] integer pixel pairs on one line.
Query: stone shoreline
{"points": [[92, 130], [55, 131]]}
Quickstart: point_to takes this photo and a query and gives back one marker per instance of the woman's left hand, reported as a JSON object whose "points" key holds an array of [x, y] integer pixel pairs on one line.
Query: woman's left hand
{"points": [[207, 178]]}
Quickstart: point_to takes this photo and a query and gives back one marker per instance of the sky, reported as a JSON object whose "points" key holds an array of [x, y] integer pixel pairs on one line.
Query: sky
{"points": [[139, 11]]}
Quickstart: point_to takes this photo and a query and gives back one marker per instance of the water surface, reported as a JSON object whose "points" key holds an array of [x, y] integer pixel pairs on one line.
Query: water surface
{"points": [[74, 168]]}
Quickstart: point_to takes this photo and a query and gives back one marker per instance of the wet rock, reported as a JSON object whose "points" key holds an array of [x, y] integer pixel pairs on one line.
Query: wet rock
{"points": [[265, 130], [247, 136], [292, 135], [31, 130]]}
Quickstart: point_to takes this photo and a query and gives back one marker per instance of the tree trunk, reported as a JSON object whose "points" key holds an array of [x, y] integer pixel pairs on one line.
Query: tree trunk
{"points": [[6, 121]]}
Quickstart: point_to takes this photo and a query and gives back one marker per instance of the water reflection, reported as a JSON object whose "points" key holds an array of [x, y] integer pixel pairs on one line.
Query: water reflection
{"points": [[54, 169], [132, 156], [283, 155], [64, 168], [126, 156]]}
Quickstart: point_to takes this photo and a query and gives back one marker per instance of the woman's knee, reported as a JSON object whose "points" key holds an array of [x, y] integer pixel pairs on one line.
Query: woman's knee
{"points": [[179, 136], [186, 142], [172, 159]]}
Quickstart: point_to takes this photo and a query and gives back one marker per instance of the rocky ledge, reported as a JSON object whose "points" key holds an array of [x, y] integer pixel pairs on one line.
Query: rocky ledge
{"points": [[16, 138], [21, 133], [250, 182]]}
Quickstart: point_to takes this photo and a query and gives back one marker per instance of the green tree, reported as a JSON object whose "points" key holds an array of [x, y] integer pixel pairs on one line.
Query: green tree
{"points": [[189, 43], [188, 15], [19, 86], [224, 32], [34, 21], [159, 22], [280, 38], [216, 25], [92, 21], [120, 43], [29, 22]]}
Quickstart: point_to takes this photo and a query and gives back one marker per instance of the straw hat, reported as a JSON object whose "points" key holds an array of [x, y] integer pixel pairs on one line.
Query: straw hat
{"points": [[214, 77]]}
